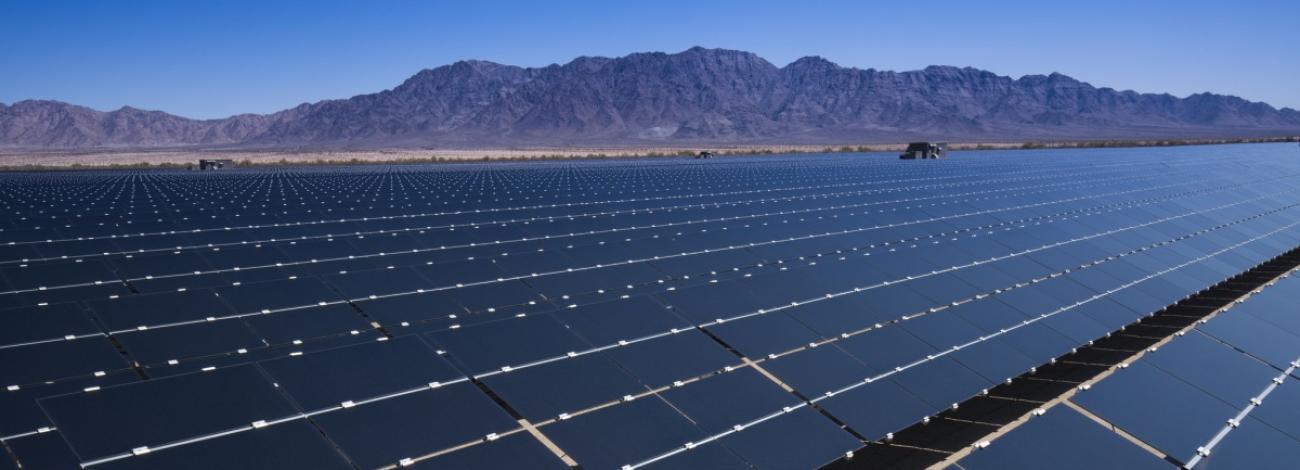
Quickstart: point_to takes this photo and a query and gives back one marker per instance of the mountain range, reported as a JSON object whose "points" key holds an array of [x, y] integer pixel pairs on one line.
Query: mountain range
{"points": [[698, 96]]}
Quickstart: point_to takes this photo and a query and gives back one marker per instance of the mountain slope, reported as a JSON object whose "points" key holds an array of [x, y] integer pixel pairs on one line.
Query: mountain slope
{"points": [[52, 124], [696, 96]]}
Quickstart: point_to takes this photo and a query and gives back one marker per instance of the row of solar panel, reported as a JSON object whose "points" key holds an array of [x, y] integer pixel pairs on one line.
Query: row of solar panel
{"points": [[517, 224], [598, 248], [193, 206], [744, 349], [363, 375], [575, 182], [128, 313], [1223, 395], [507, 340]]}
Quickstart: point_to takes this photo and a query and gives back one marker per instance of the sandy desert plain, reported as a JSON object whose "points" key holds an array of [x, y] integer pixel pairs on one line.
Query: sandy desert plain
{"points": [[18, 159]]}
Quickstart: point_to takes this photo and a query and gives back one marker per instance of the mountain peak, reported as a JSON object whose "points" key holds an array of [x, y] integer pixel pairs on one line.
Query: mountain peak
{"points": [[813, 61], [476, 65], [718, 53], [713, 51]]}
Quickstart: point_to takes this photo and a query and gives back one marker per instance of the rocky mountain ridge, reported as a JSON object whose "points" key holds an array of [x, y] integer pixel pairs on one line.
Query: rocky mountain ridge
{"points": [[698, 96]]}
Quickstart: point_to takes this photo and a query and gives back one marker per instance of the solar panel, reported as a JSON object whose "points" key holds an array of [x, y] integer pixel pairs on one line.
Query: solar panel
{"points": [[1062, 438], [730, 313], [163, 411], [1170, 414], [42, 451]]}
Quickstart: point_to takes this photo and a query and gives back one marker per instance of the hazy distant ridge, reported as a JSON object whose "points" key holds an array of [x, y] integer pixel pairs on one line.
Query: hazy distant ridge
{"points": [[696, 96]]}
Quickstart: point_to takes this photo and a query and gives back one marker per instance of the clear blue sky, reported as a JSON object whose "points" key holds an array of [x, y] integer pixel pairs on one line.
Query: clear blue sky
{"points": [[215, 58]]}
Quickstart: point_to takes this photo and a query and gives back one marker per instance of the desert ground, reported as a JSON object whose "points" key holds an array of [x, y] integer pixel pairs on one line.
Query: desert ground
{"points": [[17, 159]]}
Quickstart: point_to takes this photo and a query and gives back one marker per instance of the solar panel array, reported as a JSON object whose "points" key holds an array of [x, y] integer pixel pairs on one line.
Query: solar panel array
{"points": [[776, 312], [1223, 395]]}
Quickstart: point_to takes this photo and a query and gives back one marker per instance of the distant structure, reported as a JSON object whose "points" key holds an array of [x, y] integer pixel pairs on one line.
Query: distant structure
{"points": [[924, 151], [704, 154], [205, 165]]}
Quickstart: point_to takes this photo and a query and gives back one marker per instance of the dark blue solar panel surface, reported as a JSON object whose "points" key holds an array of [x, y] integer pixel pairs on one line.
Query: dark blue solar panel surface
{"points": [[770, 312], [1222, 395], [1062, 439]]}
